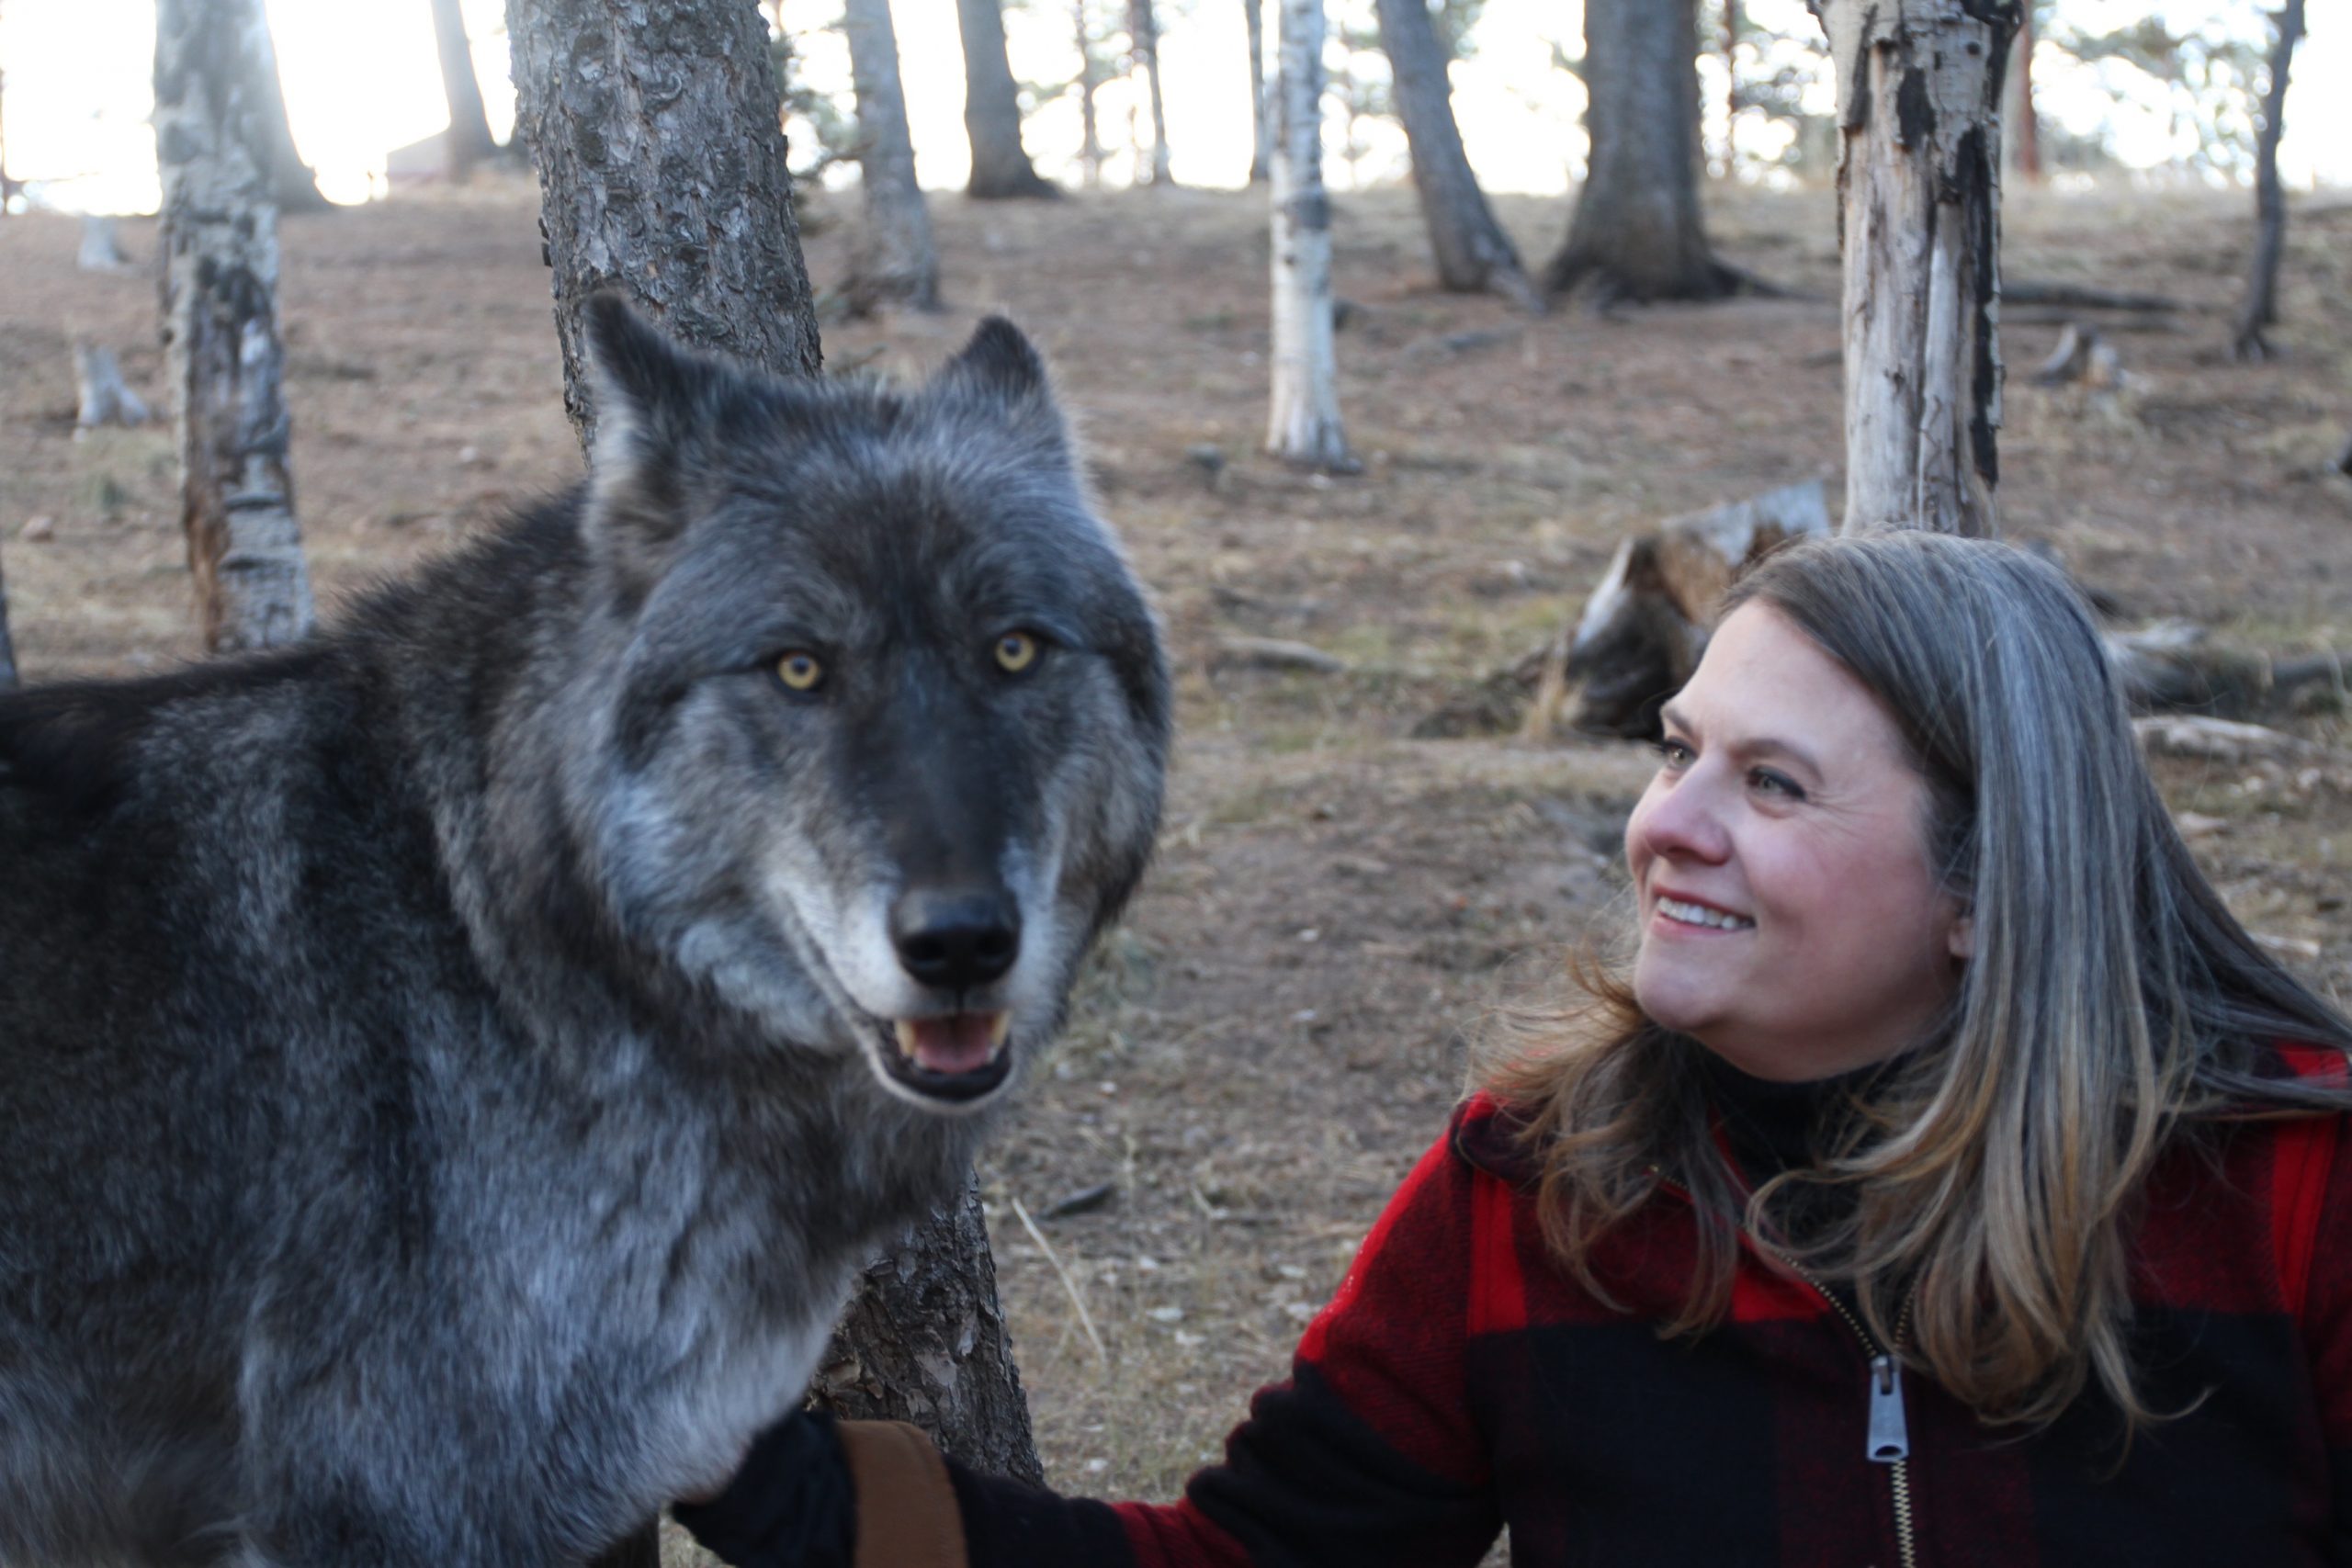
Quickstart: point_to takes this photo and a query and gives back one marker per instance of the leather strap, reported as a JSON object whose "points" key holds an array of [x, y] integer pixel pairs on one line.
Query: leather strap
{"points": [[907, 1513]]}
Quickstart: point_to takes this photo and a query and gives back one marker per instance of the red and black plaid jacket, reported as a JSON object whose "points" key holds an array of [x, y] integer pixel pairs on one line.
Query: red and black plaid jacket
{"points": [[1461, 1383]]}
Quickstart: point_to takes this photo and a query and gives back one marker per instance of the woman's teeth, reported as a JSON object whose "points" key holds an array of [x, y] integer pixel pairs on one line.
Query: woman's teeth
{"points": [[1699, 915]]}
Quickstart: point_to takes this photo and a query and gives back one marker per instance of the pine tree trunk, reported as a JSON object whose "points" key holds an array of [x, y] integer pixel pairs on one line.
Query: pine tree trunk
{"points": [[7, 649], [1919, 189], [1474, 255], [906, 1349], [2260, 309], [292, 185], [2021, 112], [226, 366], [1090, 76], [681, 197], [1000, 166], [1637, 233], [656, 127], [469, 138], [1261, 123], [1731, 87], [897, 259], [1143, 27], [1305, 426]]}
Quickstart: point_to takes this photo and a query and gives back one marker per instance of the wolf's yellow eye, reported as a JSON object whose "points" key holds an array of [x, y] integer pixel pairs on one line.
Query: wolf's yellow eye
{"points": [[1015, 651], [800, 671]]}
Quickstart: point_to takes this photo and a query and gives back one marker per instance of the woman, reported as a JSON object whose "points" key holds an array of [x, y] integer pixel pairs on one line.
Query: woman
{"points": [[1949, 1178]]}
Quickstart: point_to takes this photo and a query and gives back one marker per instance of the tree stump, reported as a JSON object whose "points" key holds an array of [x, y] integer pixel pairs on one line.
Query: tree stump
{"points": [[101, 248], [1640, 634], [105, 398]]}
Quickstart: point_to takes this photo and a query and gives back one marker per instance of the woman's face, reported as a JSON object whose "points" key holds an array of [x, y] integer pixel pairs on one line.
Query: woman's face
{"points": [[1790, 920]]}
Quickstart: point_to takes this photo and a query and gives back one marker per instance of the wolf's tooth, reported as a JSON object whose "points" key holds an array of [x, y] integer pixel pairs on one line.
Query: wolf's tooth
{"points": [[1000, 1026], [905, 1033]]}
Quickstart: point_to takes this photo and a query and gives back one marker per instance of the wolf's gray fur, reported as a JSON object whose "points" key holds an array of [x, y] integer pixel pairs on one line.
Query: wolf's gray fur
{"points": [[449, 1069]]}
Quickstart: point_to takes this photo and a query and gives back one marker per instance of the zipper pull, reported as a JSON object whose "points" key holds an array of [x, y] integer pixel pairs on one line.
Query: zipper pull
{"points": [[1890, 1437]]}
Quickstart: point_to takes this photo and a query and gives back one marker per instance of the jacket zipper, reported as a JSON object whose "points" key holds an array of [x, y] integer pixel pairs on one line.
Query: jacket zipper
{"points": [[1888, 1441]]}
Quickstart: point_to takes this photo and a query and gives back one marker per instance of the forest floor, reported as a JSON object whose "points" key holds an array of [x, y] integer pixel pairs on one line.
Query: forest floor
{"points": [[1262, 1050]]}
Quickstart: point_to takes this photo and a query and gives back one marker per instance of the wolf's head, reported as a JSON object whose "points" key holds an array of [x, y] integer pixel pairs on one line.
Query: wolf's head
{"points": [[881, 743]]}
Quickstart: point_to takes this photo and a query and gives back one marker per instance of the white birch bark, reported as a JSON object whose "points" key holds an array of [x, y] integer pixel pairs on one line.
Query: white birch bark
{"points": [[1918, 181], [226, 366], [897, 259], [1304, 427]]}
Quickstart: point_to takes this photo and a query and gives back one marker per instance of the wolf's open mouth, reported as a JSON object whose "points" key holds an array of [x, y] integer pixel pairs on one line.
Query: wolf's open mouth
{"points": [[960, 1056]]}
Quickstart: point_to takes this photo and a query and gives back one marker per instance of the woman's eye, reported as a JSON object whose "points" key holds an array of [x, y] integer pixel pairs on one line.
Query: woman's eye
{"points": [[800, 671], [1015, 651], [1671, 753], [1771, 783]]}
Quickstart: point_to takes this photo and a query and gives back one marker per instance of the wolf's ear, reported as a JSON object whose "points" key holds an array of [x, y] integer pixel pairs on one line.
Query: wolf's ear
{"points": [[652, 401], [1005, 370]]}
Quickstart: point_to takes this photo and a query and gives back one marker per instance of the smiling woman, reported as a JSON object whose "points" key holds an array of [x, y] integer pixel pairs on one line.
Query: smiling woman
{"points": [[1945, 1177]]}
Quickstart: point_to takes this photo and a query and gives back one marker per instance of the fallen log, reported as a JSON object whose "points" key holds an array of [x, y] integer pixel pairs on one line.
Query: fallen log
{"points": [[1277, 653], [2080, 297], [2175, 667], [1639, 636]]}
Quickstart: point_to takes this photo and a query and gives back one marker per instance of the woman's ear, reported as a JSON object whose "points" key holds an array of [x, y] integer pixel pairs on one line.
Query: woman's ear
{"points": [[1962, 938]]}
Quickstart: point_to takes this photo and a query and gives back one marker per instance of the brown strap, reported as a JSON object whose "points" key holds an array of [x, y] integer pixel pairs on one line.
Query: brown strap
{"points": [[907, 1515]]}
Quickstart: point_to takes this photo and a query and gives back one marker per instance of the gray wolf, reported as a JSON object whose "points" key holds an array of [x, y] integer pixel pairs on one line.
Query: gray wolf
{"points": [[452, 1067]]}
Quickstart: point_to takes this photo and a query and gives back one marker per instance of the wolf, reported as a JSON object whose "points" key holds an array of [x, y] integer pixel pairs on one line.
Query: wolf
{"points": [[453, 1066]]}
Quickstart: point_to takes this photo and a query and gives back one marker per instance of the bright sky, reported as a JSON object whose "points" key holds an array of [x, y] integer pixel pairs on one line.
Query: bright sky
{"points": [[362, 79]]}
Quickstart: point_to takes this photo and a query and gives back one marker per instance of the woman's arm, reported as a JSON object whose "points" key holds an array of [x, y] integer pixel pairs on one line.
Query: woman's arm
{"points": [[1368, 1456]]}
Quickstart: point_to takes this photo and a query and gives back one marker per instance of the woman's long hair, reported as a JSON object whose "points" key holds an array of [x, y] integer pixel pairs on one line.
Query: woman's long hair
{"points": [[2109, 998]]}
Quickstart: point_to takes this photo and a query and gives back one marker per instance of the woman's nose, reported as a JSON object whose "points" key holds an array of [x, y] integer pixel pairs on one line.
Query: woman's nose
{"points": [[1683, 819]]}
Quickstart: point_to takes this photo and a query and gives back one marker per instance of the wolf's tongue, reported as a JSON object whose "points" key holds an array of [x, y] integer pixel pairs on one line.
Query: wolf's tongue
{"points": [[963, 1043]]}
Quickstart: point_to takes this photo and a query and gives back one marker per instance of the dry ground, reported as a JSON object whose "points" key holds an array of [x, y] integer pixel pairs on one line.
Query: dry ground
{"points": [[1279, 1028]]}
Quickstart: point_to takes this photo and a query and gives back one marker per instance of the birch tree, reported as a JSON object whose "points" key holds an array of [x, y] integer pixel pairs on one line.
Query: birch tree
{"points": [[225, 361], [1918, 187], [1000, 165], [1474, 255], [2260, 307], [896, 257], [1304, 427], [682, 198]]}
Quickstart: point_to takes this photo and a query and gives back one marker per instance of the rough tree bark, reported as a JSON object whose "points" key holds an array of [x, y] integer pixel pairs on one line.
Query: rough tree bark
{"points": [[1305, 425], [1636, 232], [896, 257], [1000, 166], [1143, 27], [655, 127], [1919, 185], [1261, 123], [2261, 306], [219, 299], [1474, 255], [468, 141]]}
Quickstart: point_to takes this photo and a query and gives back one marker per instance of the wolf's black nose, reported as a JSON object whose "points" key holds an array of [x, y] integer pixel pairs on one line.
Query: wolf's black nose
{"points": [[955, 940]]}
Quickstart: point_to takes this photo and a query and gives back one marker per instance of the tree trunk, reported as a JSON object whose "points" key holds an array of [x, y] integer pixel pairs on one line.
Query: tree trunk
{"points": [[1143, 27], [7, 650], [1474, 255], [2261, 306], [1261, 124], [1091, 74], [897, 259], [2021, 112], [1637, 233], [1920, 188], [219, 283], [468, 141], [1000, 166], [1304, 427], [1731, 87], [906, 1349], [683, 198], [292, 185], [656, 127]]}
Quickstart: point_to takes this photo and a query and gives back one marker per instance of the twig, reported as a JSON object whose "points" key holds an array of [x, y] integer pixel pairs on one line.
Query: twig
{"points": [[1069, 1286]]}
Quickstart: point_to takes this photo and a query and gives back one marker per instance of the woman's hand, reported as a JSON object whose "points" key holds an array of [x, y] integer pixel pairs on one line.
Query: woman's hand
{"points": [[791, 1504]]}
